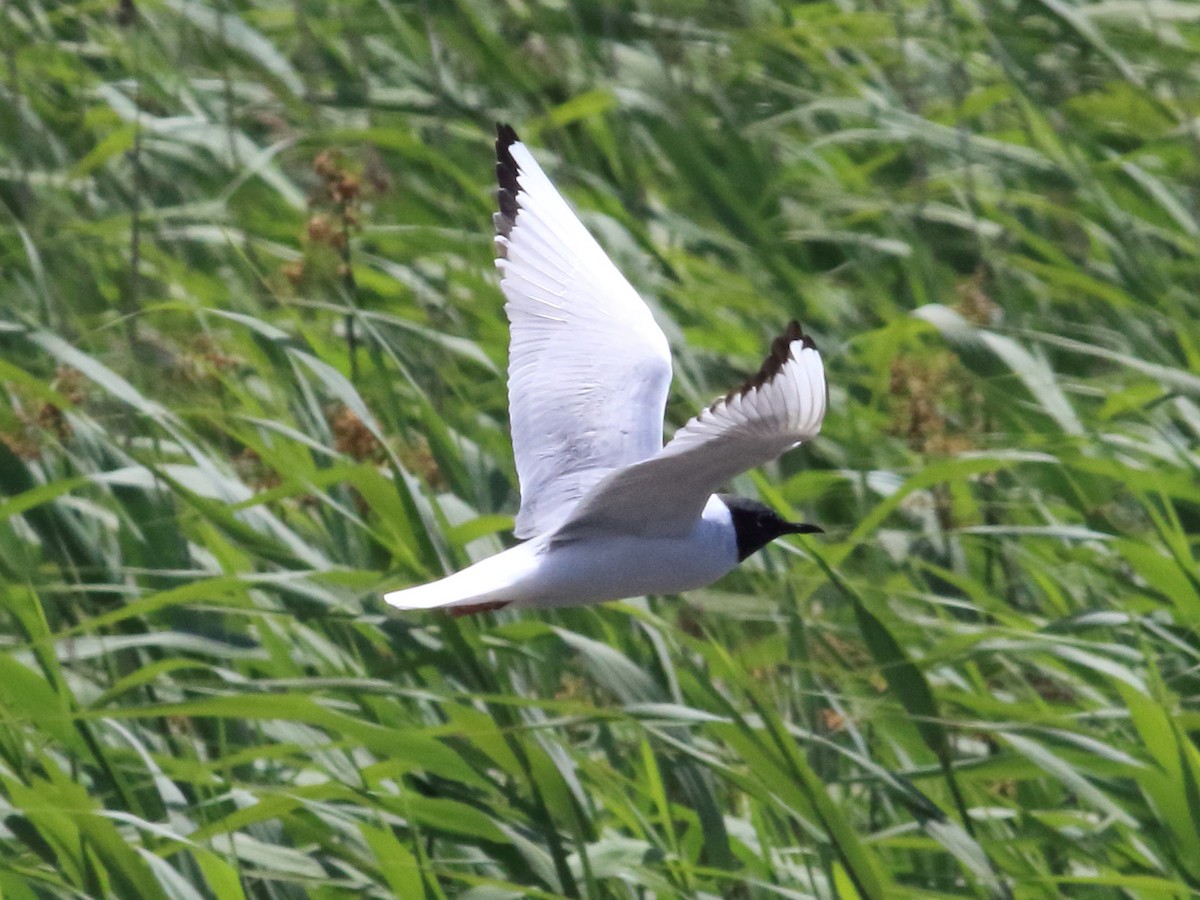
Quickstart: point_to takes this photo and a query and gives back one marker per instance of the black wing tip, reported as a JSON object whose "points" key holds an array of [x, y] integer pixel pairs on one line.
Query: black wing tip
{"points": [[507, 174], [506, 135], [794, 332], [781, 352]]}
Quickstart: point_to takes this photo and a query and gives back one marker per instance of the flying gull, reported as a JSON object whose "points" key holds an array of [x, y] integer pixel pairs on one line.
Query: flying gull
{"points": [[606, 510]]}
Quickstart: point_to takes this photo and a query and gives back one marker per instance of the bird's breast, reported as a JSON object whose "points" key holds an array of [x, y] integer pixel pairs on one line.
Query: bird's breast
{"points": [[612, 567]]}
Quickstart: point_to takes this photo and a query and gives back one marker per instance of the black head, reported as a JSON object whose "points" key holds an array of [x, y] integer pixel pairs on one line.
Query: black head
{"points": [[756, 525]]}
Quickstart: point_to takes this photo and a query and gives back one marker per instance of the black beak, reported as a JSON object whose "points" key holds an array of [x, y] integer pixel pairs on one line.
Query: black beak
{"points": [[803, 528]]}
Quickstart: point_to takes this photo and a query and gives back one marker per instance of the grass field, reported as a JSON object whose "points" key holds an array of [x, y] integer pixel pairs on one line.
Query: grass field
{"points": [[251, 357]]}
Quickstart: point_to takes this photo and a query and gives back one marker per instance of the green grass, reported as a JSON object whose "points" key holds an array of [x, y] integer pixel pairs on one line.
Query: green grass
{"points": [[251, 351]]}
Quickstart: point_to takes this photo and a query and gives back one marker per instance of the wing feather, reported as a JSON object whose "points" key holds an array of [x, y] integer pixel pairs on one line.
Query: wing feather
{"points": [[589, 369], [781, 407]]}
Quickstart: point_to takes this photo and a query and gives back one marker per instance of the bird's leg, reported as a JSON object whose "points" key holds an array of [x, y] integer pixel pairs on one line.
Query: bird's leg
{"points": [[469, 609]]}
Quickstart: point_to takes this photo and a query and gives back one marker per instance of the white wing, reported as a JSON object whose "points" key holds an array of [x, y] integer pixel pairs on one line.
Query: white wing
{"points": [[588, 369], [779, 408]]}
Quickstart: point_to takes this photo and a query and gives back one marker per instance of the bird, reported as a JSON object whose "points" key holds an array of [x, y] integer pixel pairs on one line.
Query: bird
{"points": [[607, 511]]}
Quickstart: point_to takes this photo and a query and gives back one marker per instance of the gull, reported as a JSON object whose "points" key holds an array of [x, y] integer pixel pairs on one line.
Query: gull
{"points": [[607, 511]]}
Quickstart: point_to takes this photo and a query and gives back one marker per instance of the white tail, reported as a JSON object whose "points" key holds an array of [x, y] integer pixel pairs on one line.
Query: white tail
{"points": [[498, 579], [425, 596]]}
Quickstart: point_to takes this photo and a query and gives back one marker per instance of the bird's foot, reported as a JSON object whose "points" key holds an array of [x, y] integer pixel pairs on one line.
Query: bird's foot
{"points": [[470, 609]]}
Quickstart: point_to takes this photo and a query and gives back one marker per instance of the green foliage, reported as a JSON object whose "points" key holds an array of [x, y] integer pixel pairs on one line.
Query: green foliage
{"points": [[252, 357]]}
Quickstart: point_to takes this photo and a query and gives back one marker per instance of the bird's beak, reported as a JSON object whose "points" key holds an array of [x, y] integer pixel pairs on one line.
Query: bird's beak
{"points": [[804, 528]]}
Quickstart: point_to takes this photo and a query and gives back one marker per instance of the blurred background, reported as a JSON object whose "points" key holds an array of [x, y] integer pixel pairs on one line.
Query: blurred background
{"points": [[252, 357]]}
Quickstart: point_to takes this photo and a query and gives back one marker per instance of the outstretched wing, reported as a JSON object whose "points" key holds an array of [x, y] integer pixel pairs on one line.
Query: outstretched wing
{"points": [[782, 406], [588, 369]]}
